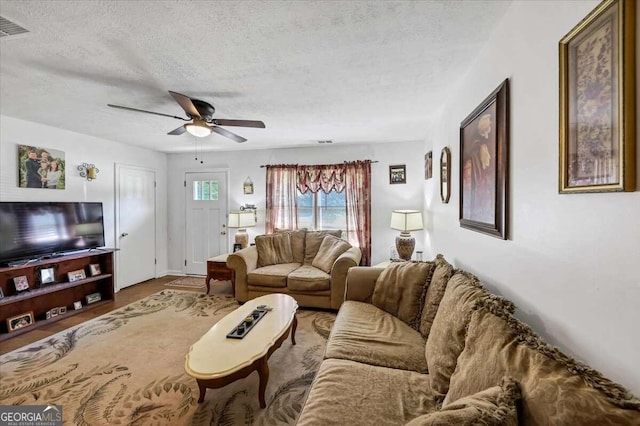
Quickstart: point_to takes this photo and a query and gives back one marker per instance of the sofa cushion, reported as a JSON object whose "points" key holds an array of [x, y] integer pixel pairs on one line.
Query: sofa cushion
{"points": [[274, 249], [312, 243], [330, 249], [272, 275], [435, 291], [556, 389], [495, 406], [347, 392], [365, 333], [399, 289], [308, 278], [446, 338], [297, 237]]}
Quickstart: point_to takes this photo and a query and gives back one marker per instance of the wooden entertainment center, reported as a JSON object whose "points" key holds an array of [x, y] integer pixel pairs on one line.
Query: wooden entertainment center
{"points": [[65, 290]]}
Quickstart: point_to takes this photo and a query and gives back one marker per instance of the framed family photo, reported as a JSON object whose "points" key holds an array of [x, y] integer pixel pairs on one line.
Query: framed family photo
{"points": [[21, 283], [40, 167], [597, 101], [20, 321], [484, 161]]}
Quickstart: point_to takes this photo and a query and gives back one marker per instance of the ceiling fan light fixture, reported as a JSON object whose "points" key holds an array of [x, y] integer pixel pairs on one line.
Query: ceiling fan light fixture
{"points": [[198, 128]]}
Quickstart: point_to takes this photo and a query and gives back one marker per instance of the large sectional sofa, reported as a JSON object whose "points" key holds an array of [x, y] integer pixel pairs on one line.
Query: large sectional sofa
{"points": [[310, 266], [422, 343]]}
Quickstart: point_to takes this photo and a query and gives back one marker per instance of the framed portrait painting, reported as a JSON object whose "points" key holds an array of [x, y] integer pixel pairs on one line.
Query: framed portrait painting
{"points": [[484, 165], [40, 167], [597, 101], [428, 165]]}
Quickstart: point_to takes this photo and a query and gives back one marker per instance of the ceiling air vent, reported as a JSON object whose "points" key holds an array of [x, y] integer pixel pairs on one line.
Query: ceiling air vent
{"points": [[8, 28], [325, 141]]}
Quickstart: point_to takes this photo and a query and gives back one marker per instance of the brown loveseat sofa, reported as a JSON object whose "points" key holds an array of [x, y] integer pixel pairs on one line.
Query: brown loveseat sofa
{"points": [[426, 344], [310, 266]]}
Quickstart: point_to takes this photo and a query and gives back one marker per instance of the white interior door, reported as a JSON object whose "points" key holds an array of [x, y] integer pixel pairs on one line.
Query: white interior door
{"points": [[135, 225], [206, 219]]}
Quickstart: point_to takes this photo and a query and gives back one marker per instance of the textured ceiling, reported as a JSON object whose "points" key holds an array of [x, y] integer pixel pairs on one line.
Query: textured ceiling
{"points": [[351, 72]]}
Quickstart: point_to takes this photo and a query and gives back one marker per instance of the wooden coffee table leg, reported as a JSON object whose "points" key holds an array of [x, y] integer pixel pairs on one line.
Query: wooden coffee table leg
{"points": [[203, 391], [263, 372], [293, 330]]}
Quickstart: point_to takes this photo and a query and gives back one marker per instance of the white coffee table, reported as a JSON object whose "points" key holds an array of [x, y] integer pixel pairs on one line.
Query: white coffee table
{"points": [[216, 360]]}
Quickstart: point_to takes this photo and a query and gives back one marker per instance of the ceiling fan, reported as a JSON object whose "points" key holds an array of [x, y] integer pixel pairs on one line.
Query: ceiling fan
{"points": [[201, 119]]}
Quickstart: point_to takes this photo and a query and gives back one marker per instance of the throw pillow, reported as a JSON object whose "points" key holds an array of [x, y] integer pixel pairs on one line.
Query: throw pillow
{"points": [[398, 289], [274, 249], [435, 291], [298, 237], [330, 249], [495, 406], [313, 241], [446, 338], [556, 389]]}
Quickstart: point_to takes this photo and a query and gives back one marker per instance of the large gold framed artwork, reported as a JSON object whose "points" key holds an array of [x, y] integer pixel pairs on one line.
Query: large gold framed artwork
{"points": [[597, 101]]}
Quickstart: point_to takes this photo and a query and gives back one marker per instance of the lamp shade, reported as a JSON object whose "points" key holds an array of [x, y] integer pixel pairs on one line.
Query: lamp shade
{"points": [[241, 220], [406, 220]]}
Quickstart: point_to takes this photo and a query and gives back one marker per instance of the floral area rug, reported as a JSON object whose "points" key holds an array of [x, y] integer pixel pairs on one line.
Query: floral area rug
{"points": [[127, 368]]}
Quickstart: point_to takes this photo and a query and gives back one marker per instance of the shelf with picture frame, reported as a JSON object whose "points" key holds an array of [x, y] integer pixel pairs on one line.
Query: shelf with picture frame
{"points": [[49, 286]]}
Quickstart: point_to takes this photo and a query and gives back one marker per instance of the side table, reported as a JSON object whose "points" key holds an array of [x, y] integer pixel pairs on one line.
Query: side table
{"points": [[217, 270]]}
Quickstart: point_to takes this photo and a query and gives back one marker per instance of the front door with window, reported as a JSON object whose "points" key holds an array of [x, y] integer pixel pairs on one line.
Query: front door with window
{"points": [[206, 219]]}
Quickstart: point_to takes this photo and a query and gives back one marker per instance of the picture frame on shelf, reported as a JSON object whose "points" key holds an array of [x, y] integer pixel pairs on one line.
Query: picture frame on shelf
{"points": [[597, 102], [397, 174], [76, 275], [54, 312], [47, 315], [62, 310], [92, 298], [237, 247], [94, 269], [46, 275], [77, 305], [1, 293], [20, 321], [445, 174], [484, 165], [21, 283]]}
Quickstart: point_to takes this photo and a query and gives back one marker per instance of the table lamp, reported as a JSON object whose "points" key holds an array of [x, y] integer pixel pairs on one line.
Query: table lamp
{"points": [[406, 221], [241, 221]]}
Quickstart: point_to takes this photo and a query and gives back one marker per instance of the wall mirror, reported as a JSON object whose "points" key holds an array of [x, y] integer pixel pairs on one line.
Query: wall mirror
{"points": [[445, 174]]}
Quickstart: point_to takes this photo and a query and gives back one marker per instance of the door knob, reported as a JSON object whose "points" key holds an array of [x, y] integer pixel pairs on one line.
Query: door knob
{"points": [[223, 233], [124, 234]]}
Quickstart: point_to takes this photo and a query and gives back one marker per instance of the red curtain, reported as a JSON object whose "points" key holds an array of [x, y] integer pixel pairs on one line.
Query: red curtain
{"points": [[358, 192], [282, 200], [283, 181]]}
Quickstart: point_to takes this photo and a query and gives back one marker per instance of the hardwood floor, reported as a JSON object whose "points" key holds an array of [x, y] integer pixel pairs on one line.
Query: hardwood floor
{"points": [[123, 298]]}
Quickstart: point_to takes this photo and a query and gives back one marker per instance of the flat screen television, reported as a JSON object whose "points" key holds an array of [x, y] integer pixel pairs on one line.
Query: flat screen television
{"points": [[33, 230]]}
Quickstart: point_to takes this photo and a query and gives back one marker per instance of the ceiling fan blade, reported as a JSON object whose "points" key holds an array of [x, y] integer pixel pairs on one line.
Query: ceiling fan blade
{"points": [[228, 134], [148, 112], [240, 123], [180, 130], [186, 104]]}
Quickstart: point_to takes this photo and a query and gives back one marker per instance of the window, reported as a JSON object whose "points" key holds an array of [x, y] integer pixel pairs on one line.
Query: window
{"points": [[322, 211], [205, 190]]}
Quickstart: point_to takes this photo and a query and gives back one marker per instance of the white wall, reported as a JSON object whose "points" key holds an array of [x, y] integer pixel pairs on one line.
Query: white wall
{"points": [[571, 263], [385, 197], [79, 148]]}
